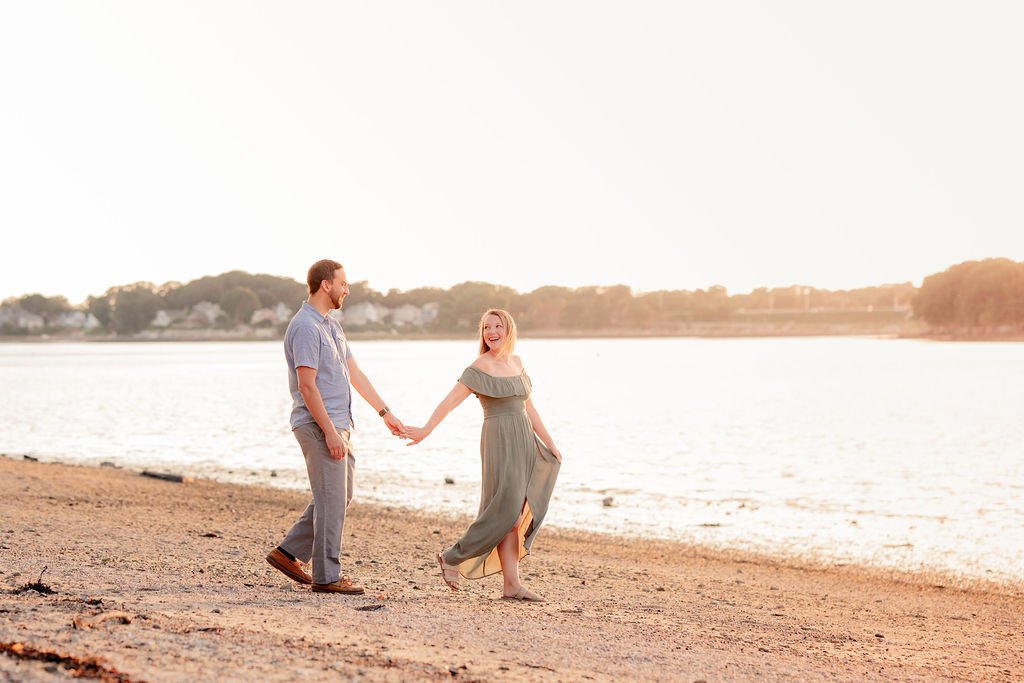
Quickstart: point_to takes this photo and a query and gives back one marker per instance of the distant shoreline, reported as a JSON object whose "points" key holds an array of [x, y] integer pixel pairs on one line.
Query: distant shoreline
{"points": [[709, 332], [743, 330], [447, 337]]}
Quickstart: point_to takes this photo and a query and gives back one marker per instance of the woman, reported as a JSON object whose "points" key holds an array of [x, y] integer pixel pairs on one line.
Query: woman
{"points": [[519, 460]]}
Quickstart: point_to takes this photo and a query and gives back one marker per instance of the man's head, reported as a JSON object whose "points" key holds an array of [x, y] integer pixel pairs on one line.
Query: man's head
{"points": [[326, 281]]}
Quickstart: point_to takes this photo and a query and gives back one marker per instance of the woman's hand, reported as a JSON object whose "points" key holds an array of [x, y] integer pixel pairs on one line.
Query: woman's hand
{"points": [[557, 453], [415, 434]]}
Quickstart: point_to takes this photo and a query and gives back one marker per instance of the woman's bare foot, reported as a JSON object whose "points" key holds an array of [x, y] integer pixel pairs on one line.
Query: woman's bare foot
{"points": [[524, 594], [449, 573]]}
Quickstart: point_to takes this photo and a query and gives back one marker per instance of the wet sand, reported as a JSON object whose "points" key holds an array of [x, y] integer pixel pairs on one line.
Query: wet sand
{"points": [[163, 581]]}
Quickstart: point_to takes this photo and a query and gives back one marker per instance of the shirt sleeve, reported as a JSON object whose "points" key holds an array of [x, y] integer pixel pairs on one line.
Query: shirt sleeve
{"points": [[306, 349]]}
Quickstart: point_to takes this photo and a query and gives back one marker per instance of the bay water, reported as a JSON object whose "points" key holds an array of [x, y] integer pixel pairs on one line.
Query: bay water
{"points": [[894, 453]]}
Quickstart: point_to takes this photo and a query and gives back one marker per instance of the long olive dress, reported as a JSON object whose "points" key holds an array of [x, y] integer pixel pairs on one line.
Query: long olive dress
{"points": [[518, 475]]}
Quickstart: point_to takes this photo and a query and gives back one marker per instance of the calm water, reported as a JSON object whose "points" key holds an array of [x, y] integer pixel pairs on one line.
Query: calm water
{"points": [[884, 452]]}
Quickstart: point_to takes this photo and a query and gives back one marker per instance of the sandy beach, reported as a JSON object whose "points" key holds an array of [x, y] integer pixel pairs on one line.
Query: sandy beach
{"points": [[161, 581]]}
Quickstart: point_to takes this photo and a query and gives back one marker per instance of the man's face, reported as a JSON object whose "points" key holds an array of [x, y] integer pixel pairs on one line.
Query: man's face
{"points": [[338, 288]]}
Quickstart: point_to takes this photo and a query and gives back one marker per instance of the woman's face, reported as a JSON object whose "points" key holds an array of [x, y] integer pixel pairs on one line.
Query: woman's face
{"points": [[493, 332]]}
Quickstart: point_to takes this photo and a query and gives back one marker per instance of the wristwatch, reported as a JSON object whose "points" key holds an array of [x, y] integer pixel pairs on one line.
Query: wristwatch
{"points": [[384, 411]]}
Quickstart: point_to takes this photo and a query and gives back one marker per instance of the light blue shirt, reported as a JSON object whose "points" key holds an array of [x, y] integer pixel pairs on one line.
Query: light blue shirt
{"points": [[317, 341]]}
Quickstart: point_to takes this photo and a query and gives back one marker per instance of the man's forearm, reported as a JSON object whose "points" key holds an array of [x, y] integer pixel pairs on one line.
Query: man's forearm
{"points": [[315, 405], [362, 384]]}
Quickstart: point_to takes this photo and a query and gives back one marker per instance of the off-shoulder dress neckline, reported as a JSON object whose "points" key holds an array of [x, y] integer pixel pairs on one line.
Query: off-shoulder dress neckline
{"points": [[521, 373]]}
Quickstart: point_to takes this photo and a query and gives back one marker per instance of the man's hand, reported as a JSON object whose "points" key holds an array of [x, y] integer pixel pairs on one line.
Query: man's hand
{"points": [[394, 424], [337, 445]]}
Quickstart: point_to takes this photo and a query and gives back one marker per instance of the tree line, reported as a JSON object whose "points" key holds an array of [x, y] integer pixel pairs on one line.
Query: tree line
{"points": [[974, 294], [128, 309]]}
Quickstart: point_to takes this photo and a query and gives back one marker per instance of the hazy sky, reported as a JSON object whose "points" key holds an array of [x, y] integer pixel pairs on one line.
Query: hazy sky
{"points": [[656, 144]]}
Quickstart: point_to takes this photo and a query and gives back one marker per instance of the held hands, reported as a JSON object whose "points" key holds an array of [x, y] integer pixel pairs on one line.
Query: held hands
{"points": [[415, 435], [394, 424]]}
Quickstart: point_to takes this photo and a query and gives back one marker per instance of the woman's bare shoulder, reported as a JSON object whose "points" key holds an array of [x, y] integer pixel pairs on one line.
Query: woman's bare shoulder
{"points": [[516, 361]]}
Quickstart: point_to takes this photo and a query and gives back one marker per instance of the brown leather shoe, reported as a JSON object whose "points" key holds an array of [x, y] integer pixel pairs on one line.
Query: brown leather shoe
{"points": [[343, 585], [290, 568]]}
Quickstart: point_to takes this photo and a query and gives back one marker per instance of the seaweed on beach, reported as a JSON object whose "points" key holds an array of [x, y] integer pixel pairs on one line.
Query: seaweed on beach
{"points": [[79, 667], [38, 586]]}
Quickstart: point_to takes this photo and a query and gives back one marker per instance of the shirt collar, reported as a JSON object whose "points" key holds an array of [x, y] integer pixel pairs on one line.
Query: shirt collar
{"points": [[322, 318]]}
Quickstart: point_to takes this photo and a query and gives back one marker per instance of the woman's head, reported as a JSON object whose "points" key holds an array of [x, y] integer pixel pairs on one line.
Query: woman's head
{"points": [[497, 332]]}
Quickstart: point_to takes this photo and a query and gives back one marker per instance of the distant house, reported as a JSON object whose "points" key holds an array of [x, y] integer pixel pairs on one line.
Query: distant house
{"points": [[77, 320], [31, 321], [165, 319], [263, 317], [407, 314], [430, 312], [205, 314], [22, 320], [364, 313], [283, 313], [7, 317]]}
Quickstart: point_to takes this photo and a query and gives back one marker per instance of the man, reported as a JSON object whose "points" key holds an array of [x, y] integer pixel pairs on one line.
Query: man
{"points": [[320, 370]]}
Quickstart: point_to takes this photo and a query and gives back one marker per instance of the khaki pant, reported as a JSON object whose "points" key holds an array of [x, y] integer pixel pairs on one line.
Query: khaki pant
{"points": [[316, 535]]}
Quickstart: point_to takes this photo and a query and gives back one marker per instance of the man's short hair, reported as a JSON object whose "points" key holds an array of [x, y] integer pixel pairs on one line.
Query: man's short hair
{"points": [[320, 271]]}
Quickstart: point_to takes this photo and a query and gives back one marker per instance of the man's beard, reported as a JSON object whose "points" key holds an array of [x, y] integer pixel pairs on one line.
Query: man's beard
{"points": [[336, 302]]}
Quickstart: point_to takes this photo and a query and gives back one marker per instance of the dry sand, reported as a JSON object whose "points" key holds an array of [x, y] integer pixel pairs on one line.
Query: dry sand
{"points": [[161, 581]]}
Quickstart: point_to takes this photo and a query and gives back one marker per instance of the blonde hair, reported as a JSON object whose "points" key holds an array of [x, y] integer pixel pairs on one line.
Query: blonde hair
{"points": [[509, 343]]}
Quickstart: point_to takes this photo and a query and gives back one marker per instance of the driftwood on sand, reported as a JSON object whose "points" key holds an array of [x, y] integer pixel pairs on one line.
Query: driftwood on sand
{"points": [[177, 478]]}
